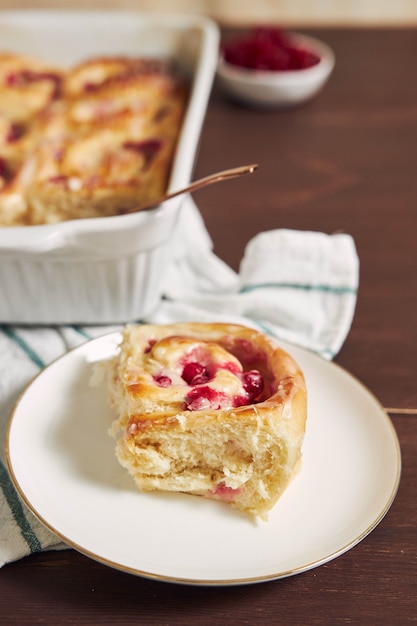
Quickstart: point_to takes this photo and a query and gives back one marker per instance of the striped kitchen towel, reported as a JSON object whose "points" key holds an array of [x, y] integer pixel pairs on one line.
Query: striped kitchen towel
{"points": [[294, 285], [298, 286]]}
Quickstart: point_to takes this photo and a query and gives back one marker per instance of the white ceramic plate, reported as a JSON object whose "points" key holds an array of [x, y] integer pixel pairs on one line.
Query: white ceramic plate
{"points": [[63, 464]]}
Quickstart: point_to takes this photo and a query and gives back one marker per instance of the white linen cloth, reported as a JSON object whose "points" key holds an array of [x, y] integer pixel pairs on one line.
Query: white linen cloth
{"points": [[297, 286]]}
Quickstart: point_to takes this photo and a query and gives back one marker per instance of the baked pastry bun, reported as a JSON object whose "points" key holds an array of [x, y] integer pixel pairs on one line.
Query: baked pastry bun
{"points": [[114, 130], [27, 87], [96, 140], [216, 410]]}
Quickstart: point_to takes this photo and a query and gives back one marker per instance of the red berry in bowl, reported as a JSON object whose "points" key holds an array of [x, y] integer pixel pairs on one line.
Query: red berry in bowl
{"points": [[268, 49]]}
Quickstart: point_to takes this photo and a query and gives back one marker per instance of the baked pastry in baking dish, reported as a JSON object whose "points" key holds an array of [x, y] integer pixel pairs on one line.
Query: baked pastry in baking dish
{"points": [[102, 140], [27, 88], [217, 410]]}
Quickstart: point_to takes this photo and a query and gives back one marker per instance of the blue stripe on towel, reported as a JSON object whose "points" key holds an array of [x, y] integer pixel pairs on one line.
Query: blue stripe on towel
{"points": [[17, 511], [303, 287], [12, 334], [81, 332]]}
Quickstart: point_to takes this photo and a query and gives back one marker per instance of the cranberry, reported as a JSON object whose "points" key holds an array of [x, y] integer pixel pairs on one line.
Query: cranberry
{"points": [[195, 373], [60, 179], [253, 384], [26, 77], [15, 132], [18, 79], [201, 398], [223, 492], [4, 170], [161, 114], [148, 148], [270, 49], [162, 381], [150, 345], [240, 401]]}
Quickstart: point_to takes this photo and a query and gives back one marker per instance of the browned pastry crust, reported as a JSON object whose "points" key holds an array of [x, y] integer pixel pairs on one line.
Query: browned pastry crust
{"points": [[27, 88], [217, 410], [97, 140]]}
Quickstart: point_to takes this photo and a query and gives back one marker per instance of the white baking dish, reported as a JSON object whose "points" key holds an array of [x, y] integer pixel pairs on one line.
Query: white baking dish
{"points": [[102, 270]]}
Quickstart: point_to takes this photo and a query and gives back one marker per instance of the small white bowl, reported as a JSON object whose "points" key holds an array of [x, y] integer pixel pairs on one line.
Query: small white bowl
{"points": [[279, 89]]}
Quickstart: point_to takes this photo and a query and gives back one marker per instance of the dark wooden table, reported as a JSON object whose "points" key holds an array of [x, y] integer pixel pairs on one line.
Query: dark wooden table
{"points": [[345, 161]]}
